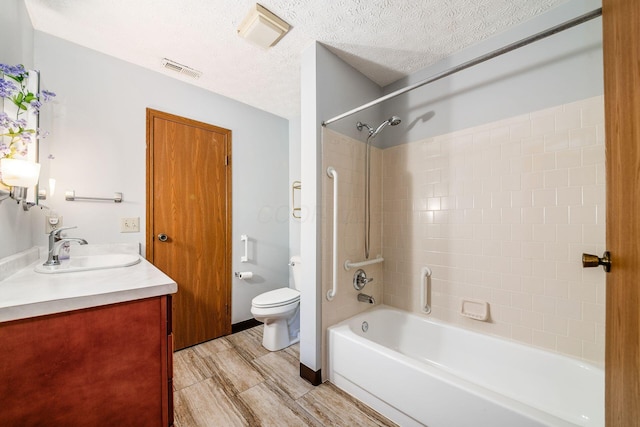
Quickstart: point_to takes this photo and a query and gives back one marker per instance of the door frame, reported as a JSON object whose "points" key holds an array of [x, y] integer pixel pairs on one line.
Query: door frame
{"points": [[150, 226]]}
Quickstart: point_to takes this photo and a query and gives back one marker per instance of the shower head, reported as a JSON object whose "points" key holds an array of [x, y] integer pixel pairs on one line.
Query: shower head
{"points": [[393, 121]]}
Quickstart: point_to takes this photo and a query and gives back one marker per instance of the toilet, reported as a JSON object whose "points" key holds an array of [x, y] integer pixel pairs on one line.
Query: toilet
{"points": [[279, 310]]}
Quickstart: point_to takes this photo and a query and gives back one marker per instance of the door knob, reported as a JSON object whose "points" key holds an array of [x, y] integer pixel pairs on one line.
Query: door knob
{"points": [[163, 237], [589, 260]]}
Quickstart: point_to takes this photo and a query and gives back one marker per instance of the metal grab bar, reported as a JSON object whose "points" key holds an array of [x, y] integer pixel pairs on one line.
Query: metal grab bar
{"points": [[348, 264], [244, 238], [295, 212], [70, 196], [425, 289], [332, 173]]}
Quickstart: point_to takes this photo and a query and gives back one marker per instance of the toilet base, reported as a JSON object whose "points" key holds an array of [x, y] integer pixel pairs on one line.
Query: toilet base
{"points": [[276, 336]]}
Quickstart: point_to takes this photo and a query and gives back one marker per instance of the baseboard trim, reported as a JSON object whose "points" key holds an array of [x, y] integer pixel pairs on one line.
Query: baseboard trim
{"points": [[314, 377], [244, 325]]}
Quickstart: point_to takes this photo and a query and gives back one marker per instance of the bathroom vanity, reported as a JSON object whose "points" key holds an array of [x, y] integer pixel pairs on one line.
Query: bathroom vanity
{"points": [[86, 348]]}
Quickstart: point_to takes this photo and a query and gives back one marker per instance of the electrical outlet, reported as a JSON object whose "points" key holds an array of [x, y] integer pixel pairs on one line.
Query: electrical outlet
{"points": [[52, 223], [130, 225]]}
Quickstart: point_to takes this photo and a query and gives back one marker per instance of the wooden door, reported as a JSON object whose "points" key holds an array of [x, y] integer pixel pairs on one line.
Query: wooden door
{"points": [[621, 26], [189, 201]]}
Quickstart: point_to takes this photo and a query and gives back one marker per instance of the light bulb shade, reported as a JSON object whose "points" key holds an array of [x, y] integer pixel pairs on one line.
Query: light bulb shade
{"points": [[19, 173]]}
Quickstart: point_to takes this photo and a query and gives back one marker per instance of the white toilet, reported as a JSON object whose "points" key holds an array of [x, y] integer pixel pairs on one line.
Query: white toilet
{"points": [[279, 310]]}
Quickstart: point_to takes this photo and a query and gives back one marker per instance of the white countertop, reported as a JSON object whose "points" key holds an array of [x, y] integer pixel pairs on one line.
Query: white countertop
{"points": [[27, 294]]}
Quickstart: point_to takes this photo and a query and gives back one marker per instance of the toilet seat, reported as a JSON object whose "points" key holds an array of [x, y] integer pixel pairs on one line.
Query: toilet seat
{"points": [[276, 298]]}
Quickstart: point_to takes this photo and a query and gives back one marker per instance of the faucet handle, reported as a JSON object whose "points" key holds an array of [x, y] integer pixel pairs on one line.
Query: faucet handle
{"points": [[56, 232]]}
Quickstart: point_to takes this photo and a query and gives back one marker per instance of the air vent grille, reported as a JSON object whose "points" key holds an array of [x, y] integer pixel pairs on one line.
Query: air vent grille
{"points": [[179, 68]]}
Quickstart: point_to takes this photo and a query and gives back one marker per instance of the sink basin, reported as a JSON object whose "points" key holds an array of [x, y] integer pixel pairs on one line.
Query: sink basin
{"points": [[90, 262]]}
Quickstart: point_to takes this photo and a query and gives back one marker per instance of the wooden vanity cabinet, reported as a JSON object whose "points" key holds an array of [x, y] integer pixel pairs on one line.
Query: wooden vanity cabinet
{"points": [[102, 366]]}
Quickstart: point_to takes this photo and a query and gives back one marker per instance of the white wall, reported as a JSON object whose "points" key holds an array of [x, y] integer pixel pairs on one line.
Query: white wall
{"points": [[98, 138], [329, 87], [16, 47], [295, 174], [562, 68]]}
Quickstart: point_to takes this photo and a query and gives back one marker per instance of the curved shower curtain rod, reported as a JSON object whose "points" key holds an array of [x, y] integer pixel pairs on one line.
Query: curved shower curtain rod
{"points": [[505, 49]]}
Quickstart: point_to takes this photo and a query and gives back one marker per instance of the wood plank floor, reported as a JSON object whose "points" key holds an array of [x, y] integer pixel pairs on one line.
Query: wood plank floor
{"points": [[234, 381]]}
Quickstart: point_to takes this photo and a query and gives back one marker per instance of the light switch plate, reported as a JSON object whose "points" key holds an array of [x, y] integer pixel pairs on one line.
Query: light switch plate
{"points": [[130, 225]]}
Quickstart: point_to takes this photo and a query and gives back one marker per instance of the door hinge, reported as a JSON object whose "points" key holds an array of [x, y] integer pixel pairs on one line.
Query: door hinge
{"points": [[227, 308], [226, 160]]}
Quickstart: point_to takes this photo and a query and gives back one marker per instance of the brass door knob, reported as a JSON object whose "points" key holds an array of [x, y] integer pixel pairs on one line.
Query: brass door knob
{"points": [[589, 260]]}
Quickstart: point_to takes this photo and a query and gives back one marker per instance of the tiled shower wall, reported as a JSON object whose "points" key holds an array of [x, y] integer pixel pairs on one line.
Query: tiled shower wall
{"points": [[502, 213], [346, 155]]}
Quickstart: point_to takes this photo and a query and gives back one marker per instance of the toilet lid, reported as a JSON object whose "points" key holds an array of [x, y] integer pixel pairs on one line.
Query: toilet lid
{"points": [[276, 298]]}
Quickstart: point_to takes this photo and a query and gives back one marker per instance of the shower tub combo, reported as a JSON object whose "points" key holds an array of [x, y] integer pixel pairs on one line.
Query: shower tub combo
{"points": [[418, 371]]}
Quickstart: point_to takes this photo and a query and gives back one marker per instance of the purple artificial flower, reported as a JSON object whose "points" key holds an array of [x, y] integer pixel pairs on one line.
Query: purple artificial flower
{"points": [[46, 95], [4, 120], [13, 70], [7, 88], [21, 123], [35, 104], [26, 137]]}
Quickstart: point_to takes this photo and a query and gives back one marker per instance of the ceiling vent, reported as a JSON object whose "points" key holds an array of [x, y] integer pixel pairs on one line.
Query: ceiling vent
{"points": [[262, 27], [182, 69]]}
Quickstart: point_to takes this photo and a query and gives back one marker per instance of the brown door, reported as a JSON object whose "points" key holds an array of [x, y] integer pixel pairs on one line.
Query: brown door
{"points": [[621, 26], [189, 221]]}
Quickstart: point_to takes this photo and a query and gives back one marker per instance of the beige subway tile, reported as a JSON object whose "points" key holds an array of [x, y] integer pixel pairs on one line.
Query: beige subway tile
{"points": [[542, 124], [556, 288], [568, 119], [582, 137], [556, 324], [532, 320], [582, 330], [585, 175], [569, 158], [522, 334], [544, 340], [569, 196], [593, 312], [543, 304], [594, 353], [569, 346]]}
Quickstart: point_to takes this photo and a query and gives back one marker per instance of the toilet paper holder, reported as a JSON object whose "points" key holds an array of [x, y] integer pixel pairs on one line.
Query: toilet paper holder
{"points": [[243, 275]]}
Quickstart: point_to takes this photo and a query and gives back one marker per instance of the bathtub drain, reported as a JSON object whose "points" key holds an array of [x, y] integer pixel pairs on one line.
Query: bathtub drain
{"points": [[365, 326]]}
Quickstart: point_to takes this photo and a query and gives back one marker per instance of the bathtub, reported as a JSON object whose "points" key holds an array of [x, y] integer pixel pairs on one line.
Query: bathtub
{"points": [[417, 371]]}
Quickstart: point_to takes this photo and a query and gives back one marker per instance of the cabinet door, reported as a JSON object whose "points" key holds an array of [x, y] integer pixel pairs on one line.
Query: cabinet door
{"points": [[99, 366]]}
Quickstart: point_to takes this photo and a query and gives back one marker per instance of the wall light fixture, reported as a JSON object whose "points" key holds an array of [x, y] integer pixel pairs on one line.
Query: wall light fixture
{"points": [[18, 175]]}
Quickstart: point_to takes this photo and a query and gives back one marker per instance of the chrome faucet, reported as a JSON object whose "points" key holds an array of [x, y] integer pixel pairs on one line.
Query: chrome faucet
{"points": [[56, 242], [360, 279], [366, 298]]}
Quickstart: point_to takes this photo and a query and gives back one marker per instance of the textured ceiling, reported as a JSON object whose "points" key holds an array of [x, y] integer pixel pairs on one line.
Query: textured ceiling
{"points": [[384, 39]]}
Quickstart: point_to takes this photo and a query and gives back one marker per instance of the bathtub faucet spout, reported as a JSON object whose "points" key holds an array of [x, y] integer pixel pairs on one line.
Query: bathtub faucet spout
{"points": [[366, 298]]}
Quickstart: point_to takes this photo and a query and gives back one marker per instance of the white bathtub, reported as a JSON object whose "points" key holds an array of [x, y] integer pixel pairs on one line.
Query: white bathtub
{"points": [[418, 371]]}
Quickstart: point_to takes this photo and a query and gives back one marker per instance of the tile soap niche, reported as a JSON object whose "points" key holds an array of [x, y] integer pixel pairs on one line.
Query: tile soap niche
{"points": [[475, 309]]}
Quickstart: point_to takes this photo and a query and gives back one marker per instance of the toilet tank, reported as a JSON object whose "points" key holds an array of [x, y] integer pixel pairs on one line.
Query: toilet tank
{"points": [[296, 267]]}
